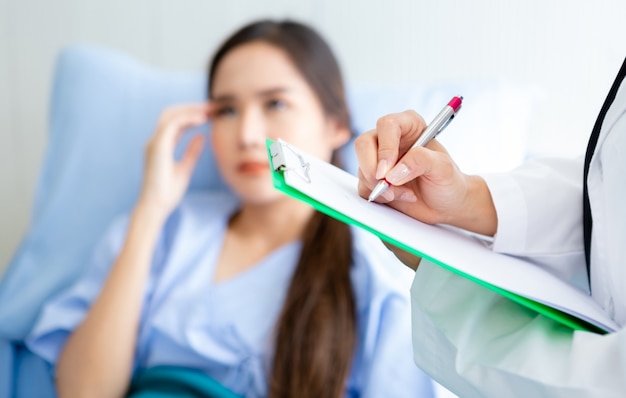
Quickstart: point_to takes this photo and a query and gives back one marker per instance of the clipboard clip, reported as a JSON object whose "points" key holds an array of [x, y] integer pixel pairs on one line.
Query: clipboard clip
{"points": [[279, 160]]}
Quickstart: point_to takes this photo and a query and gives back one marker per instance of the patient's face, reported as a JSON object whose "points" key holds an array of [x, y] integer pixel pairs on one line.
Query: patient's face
{"points": [[259, 93]]}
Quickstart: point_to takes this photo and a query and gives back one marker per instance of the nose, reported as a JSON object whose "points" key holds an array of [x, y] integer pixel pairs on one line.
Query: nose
{"points": [[252, 128]]}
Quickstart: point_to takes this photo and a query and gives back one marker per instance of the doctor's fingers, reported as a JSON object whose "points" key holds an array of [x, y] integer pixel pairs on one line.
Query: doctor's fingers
{"points": [[398, 194], [366, 149], [432, 162], [396, 133]]}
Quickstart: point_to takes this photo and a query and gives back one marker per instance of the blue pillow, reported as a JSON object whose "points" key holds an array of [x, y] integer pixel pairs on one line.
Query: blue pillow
{"points": [[104, 107]]}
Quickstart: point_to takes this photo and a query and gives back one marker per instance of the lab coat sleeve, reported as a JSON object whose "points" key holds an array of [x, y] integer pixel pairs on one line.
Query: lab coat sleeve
{"points": [[540, 196], [478, 343], [61, 315]]}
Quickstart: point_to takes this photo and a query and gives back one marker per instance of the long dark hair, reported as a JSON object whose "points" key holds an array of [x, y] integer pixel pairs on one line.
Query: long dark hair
{"points": [[316, 330]]}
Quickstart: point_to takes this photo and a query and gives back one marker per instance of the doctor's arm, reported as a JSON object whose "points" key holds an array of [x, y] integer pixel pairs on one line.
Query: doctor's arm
{"points": [[427, 185], [486, 344]]}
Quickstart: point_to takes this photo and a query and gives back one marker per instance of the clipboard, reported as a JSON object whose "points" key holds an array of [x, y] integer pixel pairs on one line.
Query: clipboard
{"points": [[333, 191]]}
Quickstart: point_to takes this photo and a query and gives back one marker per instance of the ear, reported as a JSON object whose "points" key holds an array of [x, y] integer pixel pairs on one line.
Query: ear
{"points": [[339, 134]]}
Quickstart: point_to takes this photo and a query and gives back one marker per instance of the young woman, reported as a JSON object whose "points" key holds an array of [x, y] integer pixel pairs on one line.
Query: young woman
{"points": [[261, 295]]}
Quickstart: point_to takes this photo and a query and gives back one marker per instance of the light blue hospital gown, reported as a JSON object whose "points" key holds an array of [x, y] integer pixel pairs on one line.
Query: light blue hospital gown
{"points": [[225, 328]]}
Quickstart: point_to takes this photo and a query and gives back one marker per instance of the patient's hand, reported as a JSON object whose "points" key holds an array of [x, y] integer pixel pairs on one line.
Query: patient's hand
{"points": [[165, 179], [408, 259]]}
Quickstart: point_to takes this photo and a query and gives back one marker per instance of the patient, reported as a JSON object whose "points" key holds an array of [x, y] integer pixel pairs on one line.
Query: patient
{"points": [[258, 295]]}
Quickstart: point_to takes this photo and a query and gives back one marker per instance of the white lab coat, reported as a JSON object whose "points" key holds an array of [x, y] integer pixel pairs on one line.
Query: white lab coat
{"points": [[477, 343]]}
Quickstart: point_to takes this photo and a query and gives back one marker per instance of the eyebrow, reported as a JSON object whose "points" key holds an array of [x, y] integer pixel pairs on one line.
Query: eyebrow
{"points": [[261, 94]]}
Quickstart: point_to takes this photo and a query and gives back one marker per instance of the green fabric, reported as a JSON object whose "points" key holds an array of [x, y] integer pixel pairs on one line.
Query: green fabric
{"points": [[171, 381]]}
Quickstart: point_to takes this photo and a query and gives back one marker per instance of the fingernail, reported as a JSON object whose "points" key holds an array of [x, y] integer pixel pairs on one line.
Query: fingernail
{"points": [[381, 170], [388, 195], [397, 173], [407, 197]]}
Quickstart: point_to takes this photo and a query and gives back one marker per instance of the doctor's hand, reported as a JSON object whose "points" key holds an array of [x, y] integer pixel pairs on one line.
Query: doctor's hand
{"points": [[166, 179], [426, 184]]}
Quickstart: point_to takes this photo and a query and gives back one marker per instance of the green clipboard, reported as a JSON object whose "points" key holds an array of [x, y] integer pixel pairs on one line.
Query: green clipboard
{"points": [[279, 166]]}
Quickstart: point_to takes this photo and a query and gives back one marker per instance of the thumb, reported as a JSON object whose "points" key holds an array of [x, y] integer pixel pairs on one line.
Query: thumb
{"points": [[396, 134]]}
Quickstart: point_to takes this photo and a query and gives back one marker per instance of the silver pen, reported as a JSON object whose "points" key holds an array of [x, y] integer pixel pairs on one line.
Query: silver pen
{"points": [[439, 123]]}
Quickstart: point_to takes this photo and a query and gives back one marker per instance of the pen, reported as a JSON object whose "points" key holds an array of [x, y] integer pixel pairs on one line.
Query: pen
{"points": [[439, 123]]}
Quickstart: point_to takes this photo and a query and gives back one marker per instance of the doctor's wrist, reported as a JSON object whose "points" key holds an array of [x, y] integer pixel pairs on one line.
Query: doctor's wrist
{"points": [[477, 213]]}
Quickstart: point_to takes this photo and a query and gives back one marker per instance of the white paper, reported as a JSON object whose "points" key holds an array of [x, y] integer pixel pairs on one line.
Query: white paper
{"points": [[337, 189]]}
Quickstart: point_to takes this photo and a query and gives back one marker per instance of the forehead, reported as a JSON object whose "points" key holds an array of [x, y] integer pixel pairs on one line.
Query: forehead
{"points": [[255, 66]]}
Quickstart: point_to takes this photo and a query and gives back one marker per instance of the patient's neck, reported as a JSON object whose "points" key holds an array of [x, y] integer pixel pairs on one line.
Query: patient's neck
{"points": [[277, 223], [256, 231]]}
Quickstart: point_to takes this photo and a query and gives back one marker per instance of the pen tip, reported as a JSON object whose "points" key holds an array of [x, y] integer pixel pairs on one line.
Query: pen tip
{"points": [[378, 190]]}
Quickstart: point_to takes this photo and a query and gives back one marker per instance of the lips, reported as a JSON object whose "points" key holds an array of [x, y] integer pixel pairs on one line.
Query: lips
{"points": [[253, 168]]}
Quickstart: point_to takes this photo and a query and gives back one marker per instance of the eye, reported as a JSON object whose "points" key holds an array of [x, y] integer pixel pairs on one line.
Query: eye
{"points": [[276, 104], [225, 111]]}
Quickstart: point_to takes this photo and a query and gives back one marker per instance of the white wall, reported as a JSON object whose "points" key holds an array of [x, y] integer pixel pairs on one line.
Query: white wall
{"points": [[571, 49]]}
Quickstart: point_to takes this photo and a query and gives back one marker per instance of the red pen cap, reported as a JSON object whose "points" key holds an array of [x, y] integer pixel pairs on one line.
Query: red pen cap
{"points": [[455, 103]]}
